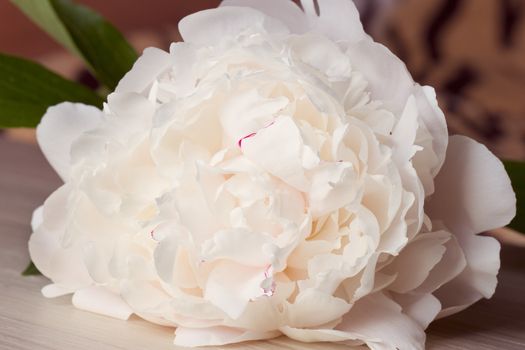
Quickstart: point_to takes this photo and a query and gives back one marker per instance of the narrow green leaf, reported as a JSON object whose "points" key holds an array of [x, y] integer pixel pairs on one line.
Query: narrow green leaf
{"points": [[43, 14], [27, 89], [516, 172], [84, 32], [102, 45], [31, 270]]}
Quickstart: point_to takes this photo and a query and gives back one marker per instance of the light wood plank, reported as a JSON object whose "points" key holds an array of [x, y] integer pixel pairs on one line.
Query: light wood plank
{"points": [[28, 321]]}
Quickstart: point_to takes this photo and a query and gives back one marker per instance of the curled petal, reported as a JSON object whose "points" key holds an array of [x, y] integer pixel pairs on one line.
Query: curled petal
{"points": [[427, 249], [338, 19], [478, 279], [285, 11], [211, 26], [467, 186], [60, 127], [145, 70], [382, 325], [101, 301], [231, 286]]}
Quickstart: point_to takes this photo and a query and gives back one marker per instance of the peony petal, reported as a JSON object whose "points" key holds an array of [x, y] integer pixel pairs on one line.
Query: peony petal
{"points": [[60, 127], [388, 78], [422, 308], [382, 325], [318, 335], [338, 19], [101, 301], [55, 290], [478, 280], [429, 160], [144, 297], [278, 149], [63, 265], [209, 27], [404, 133], [473, 190], [427, 249], [321, 54], [450, 266], [238, 245], [146, 69], [214, 336], [312, 308], [245, 113], [285, 11], [37, 218], [231, 286], [333, 186]]}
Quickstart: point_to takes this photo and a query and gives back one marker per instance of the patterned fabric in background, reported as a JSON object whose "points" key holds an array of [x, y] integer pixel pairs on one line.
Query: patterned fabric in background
{"points": [[472, 52]]}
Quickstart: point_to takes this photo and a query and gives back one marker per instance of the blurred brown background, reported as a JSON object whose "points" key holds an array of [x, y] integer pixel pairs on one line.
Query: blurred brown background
{"points": [[472, 51]]}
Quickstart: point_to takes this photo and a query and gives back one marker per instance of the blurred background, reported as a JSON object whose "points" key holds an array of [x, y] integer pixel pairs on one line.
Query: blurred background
{"points": [[471, 51]]}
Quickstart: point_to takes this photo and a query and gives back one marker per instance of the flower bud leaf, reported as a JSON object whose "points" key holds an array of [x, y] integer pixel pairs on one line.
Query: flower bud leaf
{"points": [[27, 89]]}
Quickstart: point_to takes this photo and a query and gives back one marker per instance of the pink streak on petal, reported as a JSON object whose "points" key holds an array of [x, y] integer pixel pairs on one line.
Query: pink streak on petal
{"points": [[245, 137], [254, 133]]}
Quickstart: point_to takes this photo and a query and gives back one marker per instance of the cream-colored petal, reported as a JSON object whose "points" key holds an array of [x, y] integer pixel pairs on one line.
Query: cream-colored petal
{"points": [[382, 326], [101, 301], [60, 127], [231, 286], [416, 260], [467, 187], [478, 279], [211, 26], [338, 19], [422, 308], [285, 11], [146, 69]]}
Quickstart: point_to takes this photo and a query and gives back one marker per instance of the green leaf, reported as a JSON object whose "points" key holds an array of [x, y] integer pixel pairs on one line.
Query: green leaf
{"points": [[27, 89], [31, 270], [43, 14], [84, 31], [516, 171]]}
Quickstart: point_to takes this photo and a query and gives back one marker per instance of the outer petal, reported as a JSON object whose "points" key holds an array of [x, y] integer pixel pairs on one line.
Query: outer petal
{"points": [[338, 19], [211, 26], [285, 11], [145, 70], [450, 266], [308, 335], [215, 336], [473, 194], [478, 280], [432, 136], [473, 190], [382, 325], [421, 308], [64, 265], [416, 260], [101, 301], [312, 309], [60, 127], [388, 77]]}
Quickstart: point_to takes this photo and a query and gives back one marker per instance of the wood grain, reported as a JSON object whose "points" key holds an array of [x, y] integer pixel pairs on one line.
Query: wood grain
{"points": [[28, 321]]}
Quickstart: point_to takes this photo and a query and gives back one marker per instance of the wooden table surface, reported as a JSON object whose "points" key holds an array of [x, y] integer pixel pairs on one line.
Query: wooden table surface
{"points": [[29, 321]]}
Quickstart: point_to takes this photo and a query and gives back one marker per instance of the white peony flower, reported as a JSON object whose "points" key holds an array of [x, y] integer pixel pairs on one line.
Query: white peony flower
{"points": [[278, 172]]}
